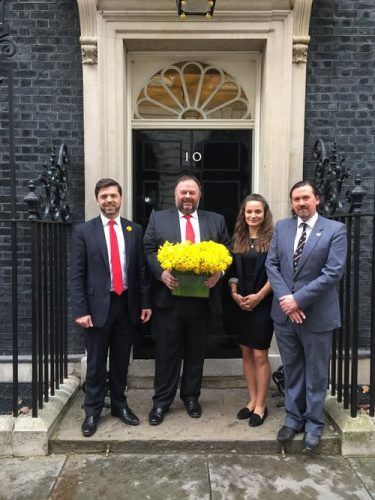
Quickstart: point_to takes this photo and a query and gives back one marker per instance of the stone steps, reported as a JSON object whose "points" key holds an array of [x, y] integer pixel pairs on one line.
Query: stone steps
{"points": [[217, 431]]}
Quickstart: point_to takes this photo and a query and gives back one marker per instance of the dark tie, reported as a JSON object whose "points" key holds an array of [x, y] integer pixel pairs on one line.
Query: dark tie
{"points": [[189, 235], [118, 284], [300, 245]]}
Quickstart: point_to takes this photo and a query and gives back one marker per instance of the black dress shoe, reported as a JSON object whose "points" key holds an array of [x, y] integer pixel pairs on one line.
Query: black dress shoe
{"points": [[89, 426], [310, 442], [193, 407], [256, 420], [286, 434], [156, 415], [244, 413], [126, 415]]}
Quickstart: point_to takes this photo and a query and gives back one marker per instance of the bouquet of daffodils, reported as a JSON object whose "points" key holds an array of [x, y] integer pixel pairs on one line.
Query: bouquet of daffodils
{"points": [[207, 257]]}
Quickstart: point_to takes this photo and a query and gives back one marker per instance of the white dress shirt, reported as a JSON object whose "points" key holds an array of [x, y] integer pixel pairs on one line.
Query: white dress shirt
{"points": [[120, 242], [310, 223], [194, 222]]}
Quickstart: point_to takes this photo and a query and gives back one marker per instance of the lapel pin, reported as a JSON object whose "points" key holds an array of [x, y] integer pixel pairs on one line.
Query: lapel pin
{"points": [[318, 234]]}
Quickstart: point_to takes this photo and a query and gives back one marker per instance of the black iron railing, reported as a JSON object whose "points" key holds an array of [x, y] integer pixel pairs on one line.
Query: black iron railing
{"points": [[34, 284], [357, 288], [49, 220]]}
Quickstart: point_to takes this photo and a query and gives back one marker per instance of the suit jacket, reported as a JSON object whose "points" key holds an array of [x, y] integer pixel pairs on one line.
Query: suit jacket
{"points": [[165, 226], [90, 271], [314, 284]]}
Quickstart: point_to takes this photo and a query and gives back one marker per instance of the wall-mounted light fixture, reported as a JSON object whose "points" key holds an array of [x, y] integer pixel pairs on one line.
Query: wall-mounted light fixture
{"points": [[195, 8]]}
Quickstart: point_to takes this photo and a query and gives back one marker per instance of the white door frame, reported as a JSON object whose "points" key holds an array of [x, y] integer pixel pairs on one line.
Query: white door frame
{"points": [[277, 28]]}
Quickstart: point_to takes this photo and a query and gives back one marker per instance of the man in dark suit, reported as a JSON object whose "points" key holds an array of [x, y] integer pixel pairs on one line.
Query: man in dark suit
{"points": [[181, 323], [110, 295], [304, 265]]}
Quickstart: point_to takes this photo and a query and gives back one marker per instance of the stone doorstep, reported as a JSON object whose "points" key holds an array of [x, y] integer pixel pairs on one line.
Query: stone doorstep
{"points": [[217, 431], [27, 436], [357, 435]]}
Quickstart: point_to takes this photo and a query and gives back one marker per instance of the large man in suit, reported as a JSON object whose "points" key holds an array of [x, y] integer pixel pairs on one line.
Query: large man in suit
{"points": [[110, 295], [304, 265], [181, 323]]}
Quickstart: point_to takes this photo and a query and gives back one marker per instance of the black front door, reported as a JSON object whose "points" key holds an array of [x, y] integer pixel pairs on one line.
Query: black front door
{"points": [[221, 160]]}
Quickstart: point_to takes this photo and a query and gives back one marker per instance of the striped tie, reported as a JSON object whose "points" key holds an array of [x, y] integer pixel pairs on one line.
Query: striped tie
{"points": [[300, 245]]}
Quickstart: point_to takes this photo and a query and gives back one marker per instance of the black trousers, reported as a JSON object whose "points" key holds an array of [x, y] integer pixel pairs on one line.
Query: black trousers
{"points": [[116, 336], [181, 333]]}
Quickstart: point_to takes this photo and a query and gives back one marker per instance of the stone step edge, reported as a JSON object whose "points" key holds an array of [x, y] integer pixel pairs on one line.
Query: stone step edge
{"points": [[328, 446]]}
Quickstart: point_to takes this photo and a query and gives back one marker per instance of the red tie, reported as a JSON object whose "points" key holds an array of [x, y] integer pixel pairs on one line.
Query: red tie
{"points": [[118, 284], [189, 235]]}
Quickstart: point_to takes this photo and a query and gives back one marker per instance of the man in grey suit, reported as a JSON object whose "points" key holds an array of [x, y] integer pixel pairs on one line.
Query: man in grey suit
{"points": [[304, 265], [181, 323], [110, 295]]}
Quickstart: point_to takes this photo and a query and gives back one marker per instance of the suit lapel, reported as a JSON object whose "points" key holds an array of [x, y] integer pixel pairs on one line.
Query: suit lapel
{"points": [[127, 229], [203, 227], [100, 238], [290, 236], [175, 224]]}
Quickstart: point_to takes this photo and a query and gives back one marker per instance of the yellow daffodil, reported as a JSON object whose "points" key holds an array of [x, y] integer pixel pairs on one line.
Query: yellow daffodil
{"points": [[207, 257]]}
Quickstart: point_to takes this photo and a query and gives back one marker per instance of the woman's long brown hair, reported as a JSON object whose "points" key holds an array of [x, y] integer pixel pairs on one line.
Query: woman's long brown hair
{"points": [[241, 229]]}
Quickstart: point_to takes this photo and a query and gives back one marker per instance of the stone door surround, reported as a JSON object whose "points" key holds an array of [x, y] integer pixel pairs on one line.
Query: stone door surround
{"points": [[277, 29]]}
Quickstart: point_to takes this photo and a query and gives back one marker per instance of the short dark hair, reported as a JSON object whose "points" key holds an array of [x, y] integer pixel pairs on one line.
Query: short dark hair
{"points": [[104, 183], [188, 177], [305, 182]]}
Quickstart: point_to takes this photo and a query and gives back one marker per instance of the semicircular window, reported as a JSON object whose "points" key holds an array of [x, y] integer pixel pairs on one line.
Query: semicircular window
{"points": [[192, 91]]}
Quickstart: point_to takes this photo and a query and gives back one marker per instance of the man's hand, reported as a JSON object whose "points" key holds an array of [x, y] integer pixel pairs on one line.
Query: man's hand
{"points": [[297, 316], [291, 309], [145, 315], [84, 321], [212, 280], [168, 279], [288, 304]]}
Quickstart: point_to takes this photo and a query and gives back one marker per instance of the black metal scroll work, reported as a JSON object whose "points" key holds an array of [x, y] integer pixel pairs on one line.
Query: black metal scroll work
{"points": [[7, 47], [356, 195], [54, 180], [330, 173]]}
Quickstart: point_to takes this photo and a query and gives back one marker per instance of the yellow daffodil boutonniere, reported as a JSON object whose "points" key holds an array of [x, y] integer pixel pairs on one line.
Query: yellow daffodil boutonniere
{"points": [[129, 228]]}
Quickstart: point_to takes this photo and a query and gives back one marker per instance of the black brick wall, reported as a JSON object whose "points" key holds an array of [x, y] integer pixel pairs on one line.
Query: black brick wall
{"points": [[48, 111], [340, 106]]}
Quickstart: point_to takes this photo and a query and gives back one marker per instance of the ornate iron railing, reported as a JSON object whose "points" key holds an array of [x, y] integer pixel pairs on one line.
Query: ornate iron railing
{"points": [[49, 217], [356, 289]]}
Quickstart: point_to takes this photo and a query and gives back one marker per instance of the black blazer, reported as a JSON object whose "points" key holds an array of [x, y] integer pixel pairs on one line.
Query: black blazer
{"points": [[260, 274], [90, 271], [165, 226]]}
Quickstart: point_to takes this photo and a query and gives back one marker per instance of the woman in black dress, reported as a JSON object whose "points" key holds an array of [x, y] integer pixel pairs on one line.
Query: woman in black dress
{"points": [[252, 296]]}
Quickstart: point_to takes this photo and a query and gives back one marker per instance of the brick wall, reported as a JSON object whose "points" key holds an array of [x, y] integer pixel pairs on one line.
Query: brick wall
{"points": [[48, 111], [340, 106]]}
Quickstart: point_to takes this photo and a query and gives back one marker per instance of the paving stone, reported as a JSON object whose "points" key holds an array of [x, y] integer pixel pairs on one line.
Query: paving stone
{"points": [[166, 477], [271, 477], [31, 478], [365, 468]]}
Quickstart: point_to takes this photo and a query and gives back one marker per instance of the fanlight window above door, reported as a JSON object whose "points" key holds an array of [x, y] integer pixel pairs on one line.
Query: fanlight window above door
{"points": [[192, 91]]}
